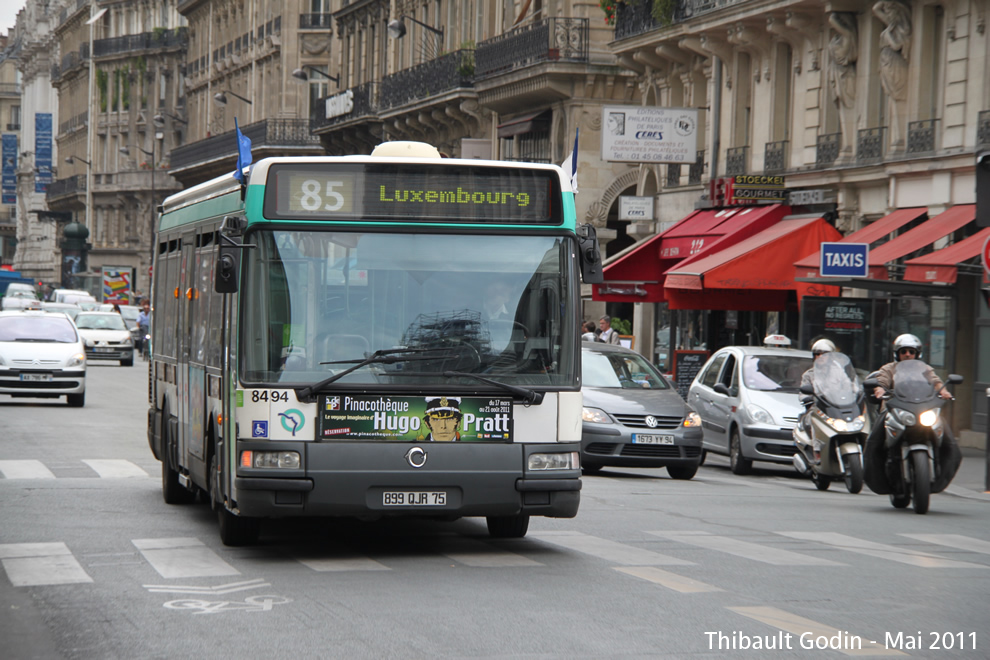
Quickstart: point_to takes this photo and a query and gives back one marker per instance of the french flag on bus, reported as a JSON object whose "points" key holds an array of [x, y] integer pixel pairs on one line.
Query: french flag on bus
{"points": [[244, 157]]}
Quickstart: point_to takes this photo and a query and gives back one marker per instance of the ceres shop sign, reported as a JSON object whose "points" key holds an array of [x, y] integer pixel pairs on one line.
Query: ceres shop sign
{"points": [[340, 104]]}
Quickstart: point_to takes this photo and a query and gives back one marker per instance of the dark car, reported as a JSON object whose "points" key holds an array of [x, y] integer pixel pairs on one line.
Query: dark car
{"points": [[633, 417]]}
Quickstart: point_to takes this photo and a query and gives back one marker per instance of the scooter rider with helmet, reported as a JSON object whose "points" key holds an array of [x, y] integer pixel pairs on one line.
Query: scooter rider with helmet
{"points": [[906, 347], [807, 378]]}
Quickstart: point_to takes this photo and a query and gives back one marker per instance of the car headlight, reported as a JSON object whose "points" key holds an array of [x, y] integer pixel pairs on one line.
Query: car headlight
{"points": [[90, 343], [692, 419], [759, 414], [928, 418], [904, 417], [77, 360], [595, 415]]}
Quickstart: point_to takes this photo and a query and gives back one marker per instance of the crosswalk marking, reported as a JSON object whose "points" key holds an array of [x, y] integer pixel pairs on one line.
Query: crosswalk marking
{"points": [[113, 468], [479, 554], [881, 550], [341, 564], [798, 626], [183, 557], [954, 541], [746, 550], [25, 470], [38, 564], [684, 585], [618, 553]]}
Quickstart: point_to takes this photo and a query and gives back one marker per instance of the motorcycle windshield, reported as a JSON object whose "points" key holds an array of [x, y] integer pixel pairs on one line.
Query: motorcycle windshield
{"points": [[835, 379], [911, 381]]}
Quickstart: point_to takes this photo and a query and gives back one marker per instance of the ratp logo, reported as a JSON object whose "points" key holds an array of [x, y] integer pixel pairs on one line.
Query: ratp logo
{"points": [[292, 420]]}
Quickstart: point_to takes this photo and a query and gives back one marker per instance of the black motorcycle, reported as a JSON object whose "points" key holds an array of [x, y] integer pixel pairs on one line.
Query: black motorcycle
{"points": [[915, 455]]}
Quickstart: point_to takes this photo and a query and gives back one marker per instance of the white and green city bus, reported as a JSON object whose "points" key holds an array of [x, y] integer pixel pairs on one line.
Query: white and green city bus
{"points": [[371, 336]]}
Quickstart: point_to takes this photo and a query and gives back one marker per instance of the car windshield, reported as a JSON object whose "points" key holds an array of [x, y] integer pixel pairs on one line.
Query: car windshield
{"points": [[37, 328], [315, 303], [774, 373], [619, 370], [100, 322]]}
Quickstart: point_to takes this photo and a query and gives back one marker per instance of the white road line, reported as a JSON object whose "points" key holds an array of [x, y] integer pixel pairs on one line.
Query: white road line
{"points": [[484, 555], [183, 557], [618, 553], [341, 564], [811, 630], [37, 564], [883, 551], [957, 541], [667, 579], [115, 468], [25, 470], [746, 550]]}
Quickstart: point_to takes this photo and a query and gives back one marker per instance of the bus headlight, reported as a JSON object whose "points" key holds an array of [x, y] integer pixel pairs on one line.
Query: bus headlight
{"points": [[287, 460], [570, 460], [928, 418]]}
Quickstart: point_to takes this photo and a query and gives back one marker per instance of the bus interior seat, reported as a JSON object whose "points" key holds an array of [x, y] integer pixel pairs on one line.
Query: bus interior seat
{"points": [[333, 347]]}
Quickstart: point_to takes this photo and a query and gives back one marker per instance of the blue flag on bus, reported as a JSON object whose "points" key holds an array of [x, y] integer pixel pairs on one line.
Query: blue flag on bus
{"points": [[570, 164], [243, 152]]}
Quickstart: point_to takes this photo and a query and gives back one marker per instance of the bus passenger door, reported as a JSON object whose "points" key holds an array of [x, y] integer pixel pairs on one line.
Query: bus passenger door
{"points": [[183, 344]]}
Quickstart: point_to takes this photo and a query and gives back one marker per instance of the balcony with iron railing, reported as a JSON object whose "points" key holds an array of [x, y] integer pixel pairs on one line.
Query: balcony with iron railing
{"points": [[869, 145], [10, 89], [363, 100], [827, 149], [549, 40], [697, 169], [315, 21], [673, 175], [267, 133], [983, 129], [446, 73], [65, 187], [634, 18], [736, 160], [131, 43], [775, 157], [921, 137]]}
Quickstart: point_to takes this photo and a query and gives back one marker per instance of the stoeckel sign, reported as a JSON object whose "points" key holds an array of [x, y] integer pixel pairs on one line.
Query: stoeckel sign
{"points": [[845, 260]]}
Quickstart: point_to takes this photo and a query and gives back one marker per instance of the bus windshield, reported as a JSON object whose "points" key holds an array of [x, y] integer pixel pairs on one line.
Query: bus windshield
{"points": [[315, 303]]}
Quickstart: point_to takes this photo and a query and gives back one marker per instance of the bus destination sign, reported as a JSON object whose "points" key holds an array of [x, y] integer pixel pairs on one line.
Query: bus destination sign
{"points": [[412, 193]]}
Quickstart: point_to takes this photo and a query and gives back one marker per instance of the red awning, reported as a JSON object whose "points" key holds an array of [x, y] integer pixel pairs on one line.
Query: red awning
{"points": [[698, 234], [524, 124], [869, 234], [924, 234], [755, 274], [942, 265]]}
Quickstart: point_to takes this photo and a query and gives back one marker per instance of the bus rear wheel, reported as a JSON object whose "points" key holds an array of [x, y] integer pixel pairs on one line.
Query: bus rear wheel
{"points": [[508, 527]]}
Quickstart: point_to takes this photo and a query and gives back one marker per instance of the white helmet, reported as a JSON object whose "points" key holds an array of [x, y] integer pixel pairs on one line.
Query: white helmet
{"points": [[822, 346], [907, 341]]}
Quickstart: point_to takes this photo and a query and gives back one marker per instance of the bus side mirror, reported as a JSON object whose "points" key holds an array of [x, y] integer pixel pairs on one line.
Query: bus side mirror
{"points": [[228, 266], [589, 255]]}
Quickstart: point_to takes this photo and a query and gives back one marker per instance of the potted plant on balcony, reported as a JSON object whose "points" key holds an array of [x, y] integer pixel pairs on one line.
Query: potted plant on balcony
{"points": [[662, 10]]}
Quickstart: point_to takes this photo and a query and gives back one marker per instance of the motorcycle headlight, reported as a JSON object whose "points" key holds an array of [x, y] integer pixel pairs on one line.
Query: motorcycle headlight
{"points": [[692, 419], [595, 415], [928, 418], [759, 414], [843, 426], [904, 417]]}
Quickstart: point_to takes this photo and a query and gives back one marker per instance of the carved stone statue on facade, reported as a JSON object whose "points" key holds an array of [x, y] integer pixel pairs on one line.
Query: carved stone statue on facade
{"points": [[843, 53], [895, 49]]}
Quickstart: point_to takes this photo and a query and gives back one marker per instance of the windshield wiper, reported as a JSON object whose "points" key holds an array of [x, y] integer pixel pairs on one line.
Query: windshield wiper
{"points": [[527, 395], [384, 356]]}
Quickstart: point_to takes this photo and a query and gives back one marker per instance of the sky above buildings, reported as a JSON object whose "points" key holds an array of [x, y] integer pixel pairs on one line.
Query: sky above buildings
{"points": [[8, 14]]}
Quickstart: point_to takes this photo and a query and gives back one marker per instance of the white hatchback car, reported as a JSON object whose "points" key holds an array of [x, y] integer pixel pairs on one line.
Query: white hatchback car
{"points": [[749, 403], [106, 337], [41, 355]]}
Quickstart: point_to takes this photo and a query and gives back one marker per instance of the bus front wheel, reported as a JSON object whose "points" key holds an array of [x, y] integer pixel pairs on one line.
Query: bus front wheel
{"points": [[234, 530], [508, 527]]}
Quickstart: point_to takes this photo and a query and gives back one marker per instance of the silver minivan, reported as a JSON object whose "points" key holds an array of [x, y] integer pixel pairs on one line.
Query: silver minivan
{"points": [[749, 403]]}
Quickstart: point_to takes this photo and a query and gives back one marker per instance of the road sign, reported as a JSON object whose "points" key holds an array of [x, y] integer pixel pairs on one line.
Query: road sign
{"points": [[845, 260]]}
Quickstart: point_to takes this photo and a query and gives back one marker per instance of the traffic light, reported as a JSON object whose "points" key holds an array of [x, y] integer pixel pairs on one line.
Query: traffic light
{"points": [[983, 189]]}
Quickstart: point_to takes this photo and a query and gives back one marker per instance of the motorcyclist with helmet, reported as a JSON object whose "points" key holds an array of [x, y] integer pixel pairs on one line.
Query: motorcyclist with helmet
{"points": [[906, 347], [807, 378]]}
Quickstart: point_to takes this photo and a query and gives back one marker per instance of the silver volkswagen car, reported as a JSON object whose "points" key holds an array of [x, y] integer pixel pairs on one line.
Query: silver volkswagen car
{"points": [[748, 400], [632, 416]]}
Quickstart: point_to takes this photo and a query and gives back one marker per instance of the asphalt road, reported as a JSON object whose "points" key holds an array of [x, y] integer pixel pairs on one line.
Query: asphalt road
{"points": [[96, 565]]}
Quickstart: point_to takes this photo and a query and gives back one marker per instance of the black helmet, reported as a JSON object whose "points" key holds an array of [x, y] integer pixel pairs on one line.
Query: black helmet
{"points": [[907, 341]]}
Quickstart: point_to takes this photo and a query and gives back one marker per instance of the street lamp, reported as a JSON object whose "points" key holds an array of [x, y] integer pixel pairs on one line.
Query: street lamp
{"points": [[221, 97], [71, 159], [127, 152], [159, 119], [396, 29], [301, 74]]}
